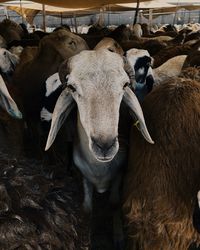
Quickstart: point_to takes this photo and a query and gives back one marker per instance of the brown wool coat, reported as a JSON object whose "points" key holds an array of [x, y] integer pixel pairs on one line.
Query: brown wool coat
{"points": [[162, 180]]}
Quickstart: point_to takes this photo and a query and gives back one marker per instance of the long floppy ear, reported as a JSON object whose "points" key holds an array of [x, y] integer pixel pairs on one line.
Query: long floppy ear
{"points": [[132, 102], [64, 105], [6, 101], [13, 58], [64, 71], [130, 73]]}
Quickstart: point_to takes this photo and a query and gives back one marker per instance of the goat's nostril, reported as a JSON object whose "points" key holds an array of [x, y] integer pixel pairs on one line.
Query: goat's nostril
{"points": [[104, 145]]}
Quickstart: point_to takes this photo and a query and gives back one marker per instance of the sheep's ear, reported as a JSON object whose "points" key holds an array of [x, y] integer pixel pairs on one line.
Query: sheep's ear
{"points": [[132, 102], [64, 105], [6, 101], [13, 58], [64, 71], [130, 73]]}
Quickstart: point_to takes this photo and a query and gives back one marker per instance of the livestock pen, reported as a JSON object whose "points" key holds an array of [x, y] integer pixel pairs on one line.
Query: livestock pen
{"points": [[82, 167]]}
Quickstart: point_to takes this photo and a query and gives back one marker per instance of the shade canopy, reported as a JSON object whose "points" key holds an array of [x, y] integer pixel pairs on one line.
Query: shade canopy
{"points": [[29, 9], [81, 3]]}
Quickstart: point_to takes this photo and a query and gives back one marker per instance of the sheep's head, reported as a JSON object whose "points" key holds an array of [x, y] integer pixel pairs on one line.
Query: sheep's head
{"points": [[97, 82], [141, 63], [110, 44], [8, 61], [65, 43]]}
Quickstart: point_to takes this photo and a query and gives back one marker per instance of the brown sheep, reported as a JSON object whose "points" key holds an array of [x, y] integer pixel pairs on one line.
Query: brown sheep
{"points": [[36, 212], [30, 77], [192, 59], [191, 73], [169, 52], [162, 180], [153, 46], [10, 30], [26, 56], [111, 45]]}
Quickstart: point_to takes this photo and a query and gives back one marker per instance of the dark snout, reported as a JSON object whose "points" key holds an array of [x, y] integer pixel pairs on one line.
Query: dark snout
{"points": [[104, 150], [141, 69]]}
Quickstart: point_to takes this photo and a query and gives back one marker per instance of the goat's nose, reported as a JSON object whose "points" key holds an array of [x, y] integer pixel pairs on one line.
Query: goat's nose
{"points": [[104, 145]]}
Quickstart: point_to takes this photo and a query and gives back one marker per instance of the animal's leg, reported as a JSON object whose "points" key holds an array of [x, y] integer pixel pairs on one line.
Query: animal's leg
{"points": [[114, 191], [88, 192], [118, 235]]}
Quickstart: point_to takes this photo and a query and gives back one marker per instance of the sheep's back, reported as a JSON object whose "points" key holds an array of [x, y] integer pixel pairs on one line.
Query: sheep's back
{"points": [[162, 180]]}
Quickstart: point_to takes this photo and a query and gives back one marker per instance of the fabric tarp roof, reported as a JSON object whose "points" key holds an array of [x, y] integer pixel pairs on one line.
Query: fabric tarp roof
{"points": [[29, 9], [82, 3]]}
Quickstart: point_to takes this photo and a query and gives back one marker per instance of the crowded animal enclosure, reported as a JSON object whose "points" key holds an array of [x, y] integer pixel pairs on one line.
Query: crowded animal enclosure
{"points": [[99, 130]]}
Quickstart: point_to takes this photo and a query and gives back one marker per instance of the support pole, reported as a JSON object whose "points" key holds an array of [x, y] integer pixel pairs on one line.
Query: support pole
{"points": [[108, 15], [175, 16], [72, 25], [150, 17], [136, 12], [199, 16], [189, 17], [44, 17], [61, 18], [21, 10], [6, 12], [75, 22]]}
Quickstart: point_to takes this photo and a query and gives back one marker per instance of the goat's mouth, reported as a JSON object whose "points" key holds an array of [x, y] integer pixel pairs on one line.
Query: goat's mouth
{"points": [[104, 159], [104, 151]]}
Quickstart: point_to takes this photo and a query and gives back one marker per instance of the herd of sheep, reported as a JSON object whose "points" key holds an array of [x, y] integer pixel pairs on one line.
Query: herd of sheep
{"points": [[113, 112]]}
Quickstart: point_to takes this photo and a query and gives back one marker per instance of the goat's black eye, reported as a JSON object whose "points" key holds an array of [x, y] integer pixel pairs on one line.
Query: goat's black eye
{"points": [[111, 50], [126, 84], [72, 43], [71, 87]]}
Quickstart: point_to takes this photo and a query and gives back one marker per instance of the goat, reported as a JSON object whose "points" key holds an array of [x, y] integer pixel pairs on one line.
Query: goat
{"points": [[191, 73], [111, 45], [169, 52], [140, 62], [162, 180], [192, 59], [96, 82], [96, 150], [34, 69], [8, 62], [137, 30]]}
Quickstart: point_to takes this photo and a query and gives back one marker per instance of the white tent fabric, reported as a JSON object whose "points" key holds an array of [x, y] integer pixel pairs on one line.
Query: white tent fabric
{"points": [[163, 4], [148, 5], [37, 6]]}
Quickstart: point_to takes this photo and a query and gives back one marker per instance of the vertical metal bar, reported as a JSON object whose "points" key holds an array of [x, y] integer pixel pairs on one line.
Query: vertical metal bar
{"points": [[108, 15], [61, 18], [44, 17], [6, 12], [21, 10], [189, 18], [136, 12], [175, 15], [199, 16], [150, 17], [75, 22]]}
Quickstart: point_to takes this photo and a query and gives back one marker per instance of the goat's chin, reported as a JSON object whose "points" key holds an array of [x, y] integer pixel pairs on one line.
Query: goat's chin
{"points": [[105, 157]]}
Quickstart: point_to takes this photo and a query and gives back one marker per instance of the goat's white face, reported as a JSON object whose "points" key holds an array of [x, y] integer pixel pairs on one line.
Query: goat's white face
{"points": [[8, 61], [141, 62], [96, 83]]}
